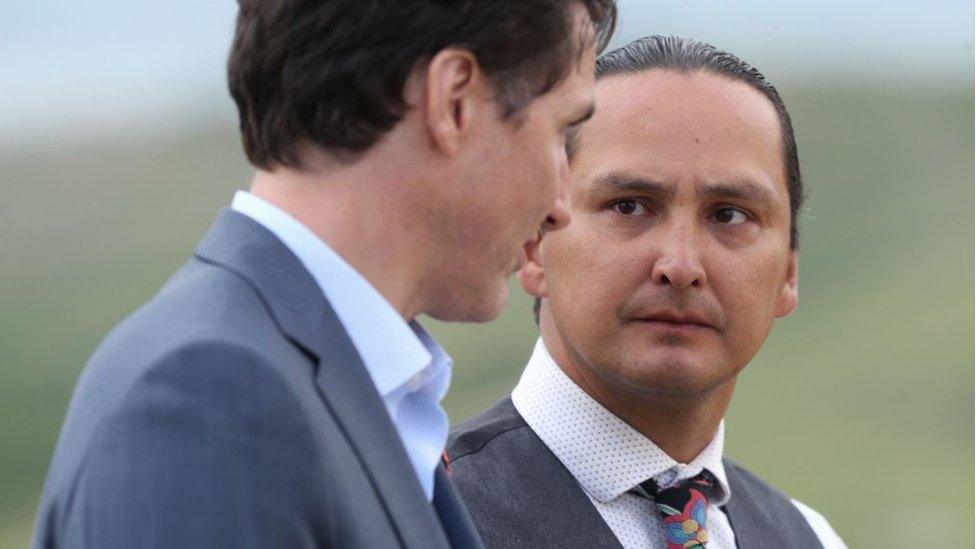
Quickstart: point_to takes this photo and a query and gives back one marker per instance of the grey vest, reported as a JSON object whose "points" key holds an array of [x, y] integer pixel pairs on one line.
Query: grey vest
{"points": [[520, 495]]}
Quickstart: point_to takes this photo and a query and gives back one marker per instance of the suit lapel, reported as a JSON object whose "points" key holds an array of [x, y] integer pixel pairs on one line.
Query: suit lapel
{"points": [[302, 313], [454, 516], [350, 395]]}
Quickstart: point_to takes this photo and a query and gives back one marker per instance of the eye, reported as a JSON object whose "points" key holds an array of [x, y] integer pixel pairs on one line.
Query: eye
{"points": [[730, 216], [629, 207]]}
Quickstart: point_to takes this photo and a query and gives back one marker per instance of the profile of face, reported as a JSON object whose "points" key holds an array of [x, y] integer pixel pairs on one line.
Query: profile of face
{"points": [[677, 259], [514, 179]]}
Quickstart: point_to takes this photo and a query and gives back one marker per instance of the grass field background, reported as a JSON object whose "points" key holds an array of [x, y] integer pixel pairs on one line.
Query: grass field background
{"points": [[860, 404]]}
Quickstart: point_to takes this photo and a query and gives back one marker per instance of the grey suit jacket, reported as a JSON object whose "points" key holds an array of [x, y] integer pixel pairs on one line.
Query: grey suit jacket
{"points": [[232, 410], [521, 495]]}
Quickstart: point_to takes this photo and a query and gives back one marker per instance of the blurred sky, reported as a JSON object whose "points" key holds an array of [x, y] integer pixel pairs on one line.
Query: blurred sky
{"points": [[72, 69]]}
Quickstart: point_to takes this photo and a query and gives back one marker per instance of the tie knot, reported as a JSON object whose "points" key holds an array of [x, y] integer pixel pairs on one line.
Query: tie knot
{"points": [[704, 482], [683, 507]]}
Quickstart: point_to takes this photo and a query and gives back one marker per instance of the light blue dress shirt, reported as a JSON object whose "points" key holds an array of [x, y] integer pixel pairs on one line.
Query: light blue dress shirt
{"points": [[410, 370]]}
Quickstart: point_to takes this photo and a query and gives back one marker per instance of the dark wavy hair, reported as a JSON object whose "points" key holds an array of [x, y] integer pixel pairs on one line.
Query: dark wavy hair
{"points": [[331, 73]]}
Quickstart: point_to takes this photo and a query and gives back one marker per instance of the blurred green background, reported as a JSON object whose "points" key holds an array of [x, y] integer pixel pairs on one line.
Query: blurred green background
{"points": [[860, 405]]}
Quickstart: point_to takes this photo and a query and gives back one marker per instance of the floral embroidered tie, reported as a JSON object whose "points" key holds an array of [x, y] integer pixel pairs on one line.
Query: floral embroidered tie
{"points": [[683, 507]]}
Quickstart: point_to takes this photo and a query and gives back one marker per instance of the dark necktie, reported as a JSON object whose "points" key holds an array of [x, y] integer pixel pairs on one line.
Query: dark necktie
{"points": [[683, 506]]}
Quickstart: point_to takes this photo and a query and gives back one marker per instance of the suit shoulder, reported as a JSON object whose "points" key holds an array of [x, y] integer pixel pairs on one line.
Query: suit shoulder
{"points": [[212, 355], [208, 382], [208, 425], [471, 436], [202, 304], [210, 298]]}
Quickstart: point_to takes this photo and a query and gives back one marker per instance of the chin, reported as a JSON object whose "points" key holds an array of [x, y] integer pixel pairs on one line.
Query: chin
{"points": [[483, 307], [674, 375]]}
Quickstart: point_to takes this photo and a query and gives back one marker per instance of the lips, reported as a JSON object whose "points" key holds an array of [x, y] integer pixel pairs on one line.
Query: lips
{"points": [[677, 321]]}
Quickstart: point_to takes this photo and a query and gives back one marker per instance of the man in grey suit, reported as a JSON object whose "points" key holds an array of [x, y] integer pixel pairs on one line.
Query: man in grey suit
{"points": [[681, 254], [278, 391]]}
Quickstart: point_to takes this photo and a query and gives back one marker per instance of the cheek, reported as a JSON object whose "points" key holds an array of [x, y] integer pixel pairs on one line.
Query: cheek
{"points": [[547, 173], [549, 157], [588, 280], [532, 178], [748, 289]]}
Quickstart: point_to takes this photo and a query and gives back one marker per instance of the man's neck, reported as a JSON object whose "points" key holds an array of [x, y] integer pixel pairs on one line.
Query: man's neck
{"points": [[681, 425], [353, 216]]}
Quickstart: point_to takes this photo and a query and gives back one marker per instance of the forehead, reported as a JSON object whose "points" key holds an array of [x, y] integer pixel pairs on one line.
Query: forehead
{"points": [[665, 124]]}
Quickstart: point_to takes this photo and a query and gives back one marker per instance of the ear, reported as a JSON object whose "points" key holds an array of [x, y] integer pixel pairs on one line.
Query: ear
{"points": [[789, 295], [532, 275], [453, 81]]}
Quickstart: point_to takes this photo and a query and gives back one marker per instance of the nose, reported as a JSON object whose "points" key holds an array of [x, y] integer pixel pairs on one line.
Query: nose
{"points": [[679, 263], [558, 215]]}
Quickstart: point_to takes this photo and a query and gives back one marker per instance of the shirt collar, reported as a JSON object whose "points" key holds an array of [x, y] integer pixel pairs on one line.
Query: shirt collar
{"points": [[607, 456], [393, 350]]}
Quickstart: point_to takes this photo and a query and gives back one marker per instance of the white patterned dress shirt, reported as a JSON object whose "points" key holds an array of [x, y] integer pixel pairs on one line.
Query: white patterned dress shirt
{"points": [[608, 458], [410, 370]]}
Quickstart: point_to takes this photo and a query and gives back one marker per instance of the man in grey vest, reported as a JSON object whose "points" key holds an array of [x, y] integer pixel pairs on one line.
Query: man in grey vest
{"points": [[681, 252], [278, 391]]}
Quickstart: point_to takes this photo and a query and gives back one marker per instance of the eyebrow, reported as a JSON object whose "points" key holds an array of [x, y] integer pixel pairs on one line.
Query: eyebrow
{"points": [[623, 182], [743, 190]]}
